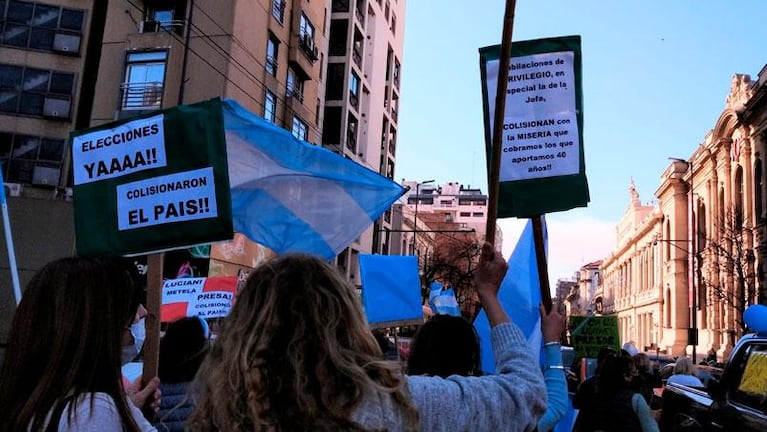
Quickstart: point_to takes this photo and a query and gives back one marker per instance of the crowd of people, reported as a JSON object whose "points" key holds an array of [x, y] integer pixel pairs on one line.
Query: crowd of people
{"points": [[294, 354]]}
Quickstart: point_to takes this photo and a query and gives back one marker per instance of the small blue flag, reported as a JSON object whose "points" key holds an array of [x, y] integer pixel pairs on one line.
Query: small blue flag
{"points": [[291, 196], [391, 287], [443, 302]]}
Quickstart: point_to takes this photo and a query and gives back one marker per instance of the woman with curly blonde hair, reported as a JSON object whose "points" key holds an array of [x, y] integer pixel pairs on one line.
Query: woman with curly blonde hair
{"points": [[296, 354]]}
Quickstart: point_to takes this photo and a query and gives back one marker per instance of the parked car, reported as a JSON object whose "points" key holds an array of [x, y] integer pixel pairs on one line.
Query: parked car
{"points": [[735, 402], [704, 373]]}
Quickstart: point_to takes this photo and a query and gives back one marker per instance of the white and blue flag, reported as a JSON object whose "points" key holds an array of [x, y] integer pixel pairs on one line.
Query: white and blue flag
{"points": [[291, 196]]}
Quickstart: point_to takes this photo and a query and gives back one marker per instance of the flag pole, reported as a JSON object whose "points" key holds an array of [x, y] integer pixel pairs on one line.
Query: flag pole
{"points": [[500, 109], [9, 242], [540, 258]]}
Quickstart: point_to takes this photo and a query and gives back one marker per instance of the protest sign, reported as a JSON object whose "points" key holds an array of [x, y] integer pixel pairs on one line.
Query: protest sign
{"points": [[153, 182], [589, 334], [210, 297], [542, 162]]}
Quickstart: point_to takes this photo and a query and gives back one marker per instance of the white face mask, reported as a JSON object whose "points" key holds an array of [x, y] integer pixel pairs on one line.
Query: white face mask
{"points": [[138, 331]]}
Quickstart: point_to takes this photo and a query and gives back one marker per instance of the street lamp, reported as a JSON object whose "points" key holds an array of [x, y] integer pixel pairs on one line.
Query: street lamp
{"points": [[415, 216], [692, 334]]}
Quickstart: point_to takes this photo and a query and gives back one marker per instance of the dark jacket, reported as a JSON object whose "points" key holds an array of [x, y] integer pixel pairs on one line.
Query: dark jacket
{"points": [[175, 406]]}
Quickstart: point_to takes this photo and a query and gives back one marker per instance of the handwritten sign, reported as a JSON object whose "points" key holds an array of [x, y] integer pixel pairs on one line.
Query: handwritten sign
{"points": [[754, 379], [588, 335]]}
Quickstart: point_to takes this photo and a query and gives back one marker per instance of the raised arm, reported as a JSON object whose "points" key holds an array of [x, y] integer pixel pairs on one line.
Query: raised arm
{"points": [[512, 400]]}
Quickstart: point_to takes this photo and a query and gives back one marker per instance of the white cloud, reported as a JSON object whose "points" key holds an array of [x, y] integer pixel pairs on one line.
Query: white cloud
{"points": [[574, 240]]}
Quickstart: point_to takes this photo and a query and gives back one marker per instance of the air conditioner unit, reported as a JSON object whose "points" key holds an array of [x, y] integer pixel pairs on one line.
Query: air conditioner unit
{"points": [[45, 176], [14, 189], [57, 108], [66, 43]]}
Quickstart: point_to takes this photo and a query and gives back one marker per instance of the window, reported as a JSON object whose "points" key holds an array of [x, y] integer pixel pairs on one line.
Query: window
{"points": [[305, 27], [299, 129], [278, 10], [294, 86], [393, 26], [35, 92], [31, 159], [480, 214], [306, 38], [144, 80], [351, 133], [465, 214], [354, 89], [42, 27], [272, 48], [270, 106], [395, 75], [753, 380]]}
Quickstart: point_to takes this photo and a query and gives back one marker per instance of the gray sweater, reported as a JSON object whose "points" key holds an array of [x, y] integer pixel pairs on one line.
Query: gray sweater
{"points": [[512, 400]]}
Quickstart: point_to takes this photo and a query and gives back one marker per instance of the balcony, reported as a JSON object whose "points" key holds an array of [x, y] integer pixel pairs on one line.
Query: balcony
{"points": [[141, 96], [157, 26]]}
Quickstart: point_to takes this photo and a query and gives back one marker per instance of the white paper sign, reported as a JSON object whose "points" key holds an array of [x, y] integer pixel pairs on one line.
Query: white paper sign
{"points": [[210, 304], [540, 131], [181, 290], [184, 196], [134, 146]]}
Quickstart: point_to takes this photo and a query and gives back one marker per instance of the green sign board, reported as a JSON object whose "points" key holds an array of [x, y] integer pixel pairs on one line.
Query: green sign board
{"points": [[590, 334], [153, 182], [543, 168]]}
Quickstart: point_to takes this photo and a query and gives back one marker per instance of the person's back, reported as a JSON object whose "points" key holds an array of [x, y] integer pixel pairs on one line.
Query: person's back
{"points": [[618, 407], [296, 353], [182, 350], [61, 370]]}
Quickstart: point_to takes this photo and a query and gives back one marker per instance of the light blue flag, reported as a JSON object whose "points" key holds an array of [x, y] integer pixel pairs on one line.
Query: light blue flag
{"points": [[520, 295], [443, 302], [391, 287], [291, 196]]}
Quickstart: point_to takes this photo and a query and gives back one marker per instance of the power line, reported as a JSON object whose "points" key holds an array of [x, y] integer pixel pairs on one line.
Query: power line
{"points": [[240, 67]]}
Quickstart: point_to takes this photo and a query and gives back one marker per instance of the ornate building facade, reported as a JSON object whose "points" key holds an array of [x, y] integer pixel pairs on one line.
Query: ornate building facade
{"points": [[687, 267]]}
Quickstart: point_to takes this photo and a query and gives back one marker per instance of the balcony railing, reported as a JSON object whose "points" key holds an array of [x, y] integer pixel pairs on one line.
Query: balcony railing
{"points": [[141, 96], [278, 10], [357, 56]]}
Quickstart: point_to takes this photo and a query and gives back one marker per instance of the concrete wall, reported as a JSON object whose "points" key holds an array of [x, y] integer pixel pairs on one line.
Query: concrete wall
{"points": [[37, 240]]}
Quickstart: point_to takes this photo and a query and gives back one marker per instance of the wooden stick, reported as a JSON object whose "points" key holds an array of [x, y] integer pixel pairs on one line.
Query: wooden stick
{"points": [[153, 299], [500, 109], [540, 258]]}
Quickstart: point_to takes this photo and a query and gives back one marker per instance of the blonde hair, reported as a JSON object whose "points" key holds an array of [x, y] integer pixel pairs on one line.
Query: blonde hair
{"points": [[295, 353], [683, 366]]}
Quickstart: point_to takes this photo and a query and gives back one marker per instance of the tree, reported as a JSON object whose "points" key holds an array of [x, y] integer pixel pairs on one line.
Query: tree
{"points": [[453, 262], [729, 264]]}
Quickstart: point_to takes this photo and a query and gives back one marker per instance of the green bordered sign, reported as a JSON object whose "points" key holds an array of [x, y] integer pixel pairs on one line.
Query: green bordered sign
{"points": [[542, 162], [154, 182], [588, 335]]}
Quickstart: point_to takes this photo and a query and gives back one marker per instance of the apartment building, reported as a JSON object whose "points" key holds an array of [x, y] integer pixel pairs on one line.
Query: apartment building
{"points": [[361, 111], [455, 202], [42, 55]]}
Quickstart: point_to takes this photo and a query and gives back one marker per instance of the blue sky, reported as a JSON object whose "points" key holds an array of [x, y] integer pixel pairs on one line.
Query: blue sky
{"points": [[655, 78]]}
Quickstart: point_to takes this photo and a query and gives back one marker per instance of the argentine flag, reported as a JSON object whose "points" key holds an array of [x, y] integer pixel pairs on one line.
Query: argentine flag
{"points": [[291, 196]]}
